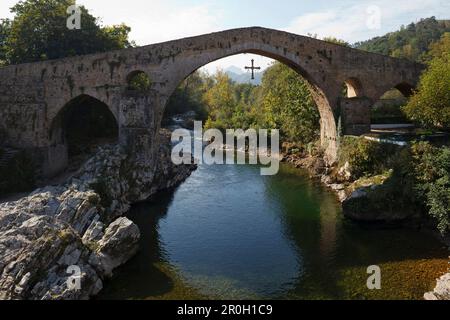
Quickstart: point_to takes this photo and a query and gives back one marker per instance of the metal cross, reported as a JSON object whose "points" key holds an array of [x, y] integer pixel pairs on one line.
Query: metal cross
{"points": [[253, 68]]}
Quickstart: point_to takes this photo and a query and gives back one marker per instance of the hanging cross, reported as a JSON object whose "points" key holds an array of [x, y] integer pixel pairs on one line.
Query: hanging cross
{"points": [[253, 68]]}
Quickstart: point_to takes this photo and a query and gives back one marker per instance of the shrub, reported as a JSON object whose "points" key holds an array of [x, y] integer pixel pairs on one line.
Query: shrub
{"points": [[387, 113], [419, 181], [438, 200], [431, 169], [430, 105], [364, 156]]}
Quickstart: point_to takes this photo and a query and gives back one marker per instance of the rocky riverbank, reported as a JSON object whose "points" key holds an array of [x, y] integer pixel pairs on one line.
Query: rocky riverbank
{"points": [[78, 226], [358, 202], [355, 194]]}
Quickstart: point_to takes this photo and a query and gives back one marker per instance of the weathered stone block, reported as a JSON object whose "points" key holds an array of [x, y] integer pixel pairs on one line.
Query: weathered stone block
{"points": [[355, 115]]}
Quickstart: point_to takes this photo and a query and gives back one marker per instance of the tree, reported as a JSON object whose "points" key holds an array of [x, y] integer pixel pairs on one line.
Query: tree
{"points": [[221, 102], [411, 42], [440, 48], [189, 96], [337, 41], [431, 169], [5, 27], [39, 32], [282, 101], [287, 104], [430, 105]]}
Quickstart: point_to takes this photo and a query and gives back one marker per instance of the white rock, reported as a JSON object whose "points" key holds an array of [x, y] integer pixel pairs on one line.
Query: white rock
{"points": [[345, 171], [119, 243], [55, 227], [442, 289]]}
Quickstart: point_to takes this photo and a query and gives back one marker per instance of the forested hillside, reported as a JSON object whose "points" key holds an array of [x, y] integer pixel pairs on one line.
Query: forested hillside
{"points": [[411, 41]]}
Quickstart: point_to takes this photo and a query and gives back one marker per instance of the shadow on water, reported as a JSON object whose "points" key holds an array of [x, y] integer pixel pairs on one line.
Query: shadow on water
{"points": [[140, 278], [230, 233], [339, 251]]}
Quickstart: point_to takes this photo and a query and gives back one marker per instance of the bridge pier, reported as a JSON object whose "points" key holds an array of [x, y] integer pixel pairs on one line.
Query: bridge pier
{"points": [[138, 118], [355, 115]]}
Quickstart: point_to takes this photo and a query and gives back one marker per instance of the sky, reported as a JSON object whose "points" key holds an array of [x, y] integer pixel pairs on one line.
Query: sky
{"points": [[155, 21]]}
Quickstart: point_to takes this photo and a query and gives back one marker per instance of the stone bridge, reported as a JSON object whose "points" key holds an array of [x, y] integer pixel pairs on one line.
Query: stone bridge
{"points": [[33, 96]]}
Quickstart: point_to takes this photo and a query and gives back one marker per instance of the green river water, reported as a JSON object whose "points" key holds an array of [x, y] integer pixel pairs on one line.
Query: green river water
{"points": [[230, 233]]}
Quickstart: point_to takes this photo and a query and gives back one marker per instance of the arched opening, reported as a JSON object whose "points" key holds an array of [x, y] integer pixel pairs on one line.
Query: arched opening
{"points": [[326, 120], [82, 125], [186, 102], [387, 110], [406, 89], [224, 95], [352, 88], [138, 81]]}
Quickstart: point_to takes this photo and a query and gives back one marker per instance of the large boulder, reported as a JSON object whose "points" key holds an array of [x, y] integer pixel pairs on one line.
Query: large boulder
{"points": [[41, 236], [118, 244]]}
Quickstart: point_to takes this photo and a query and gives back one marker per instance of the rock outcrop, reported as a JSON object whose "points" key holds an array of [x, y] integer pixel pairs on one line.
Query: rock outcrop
{"points": [[442, 289], [61, 242], [362, 199]]}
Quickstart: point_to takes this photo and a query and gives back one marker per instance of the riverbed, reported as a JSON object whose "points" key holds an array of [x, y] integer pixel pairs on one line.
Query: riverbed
{"points": [[229, 233]]}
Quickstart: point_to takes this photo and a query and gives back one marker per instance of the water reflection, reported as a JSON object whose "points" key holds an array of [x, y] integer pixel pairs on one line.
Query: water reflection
{"points": [[230, 233]]}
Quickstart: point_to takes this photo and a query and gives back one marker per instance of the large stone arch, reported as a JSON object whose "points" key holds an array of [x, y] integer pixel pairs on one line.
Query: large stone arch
{"points": [[34, 93], [57, 106], [314, 73]]}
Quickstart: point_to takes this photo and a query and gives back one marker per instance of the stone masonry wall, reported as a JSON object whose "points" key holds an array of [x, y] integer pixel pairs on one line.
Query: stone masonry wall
{"points": [[33, 94], [355, 115]]}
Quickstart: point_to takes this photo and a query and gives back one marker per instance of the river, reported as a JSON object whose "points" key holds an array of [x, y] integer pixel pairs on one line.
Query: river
{"points": [[230, 233]]}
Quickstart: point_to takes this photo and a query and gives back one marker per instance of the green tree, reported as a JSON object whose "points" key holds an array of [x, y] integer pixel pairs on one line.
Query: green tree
{"points": [[337, 41], [432, 181], [5, 27], [282, 101], [189, 96], [430, 105], [411, 42], [440, 48], [221, 102], [287, 104], [39, 32], [139, 82]]}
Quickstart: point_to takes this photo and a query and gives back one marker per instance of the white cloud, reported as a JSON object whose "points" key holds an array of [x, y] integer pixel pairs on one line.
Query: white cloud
{"points": [[5, 5], [311, 22], [350, 22], [156, 20], [151, 21]]}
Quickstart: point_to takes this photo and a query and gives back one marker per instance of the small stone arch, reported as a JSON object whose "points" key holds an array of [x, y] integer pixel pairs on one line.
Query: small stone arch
{"points": [[138, 81], [81, 124], [405, 88], [387, 108], [353, 88]]}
